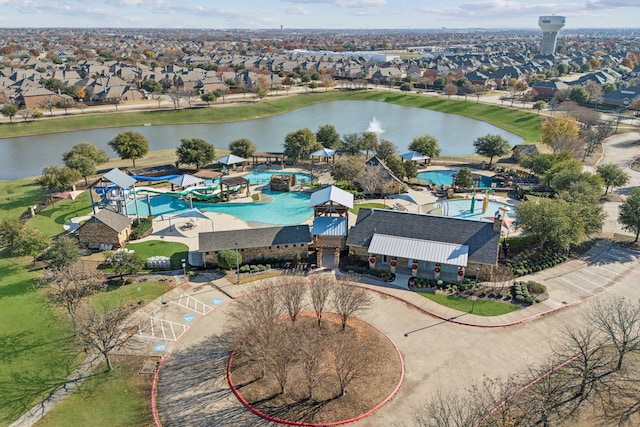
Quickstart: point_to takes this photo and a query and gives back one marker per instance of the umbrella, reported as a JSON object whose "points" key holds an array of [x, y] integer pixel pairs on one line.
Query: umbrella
{"points": [[414, 156], [231, 159], [70, 195]]}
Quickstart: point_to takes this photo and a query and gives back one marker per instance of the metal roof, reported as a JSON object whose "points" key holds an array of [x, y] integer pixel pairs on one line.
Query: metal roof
{"points": [[331, 194], [424, 250], [329, 226], [186, 180], [254, 238], [120, 178]]}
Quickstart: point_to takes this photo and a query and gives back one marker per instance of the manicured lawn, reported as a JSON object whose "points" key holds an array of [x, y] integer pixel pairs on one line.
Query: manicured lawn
{"points": [[359, 206], [480, 308], [136, 293], [37, 348], [522, 123], [16, 196], [51, 220], [116, 398], [174, 250]]}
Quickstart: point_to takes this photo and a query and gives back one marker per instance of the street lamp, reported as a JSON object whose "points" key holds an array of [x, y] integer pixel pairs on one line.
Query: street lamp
{"points": [[237, 263], [477, 271], [184, 266]]}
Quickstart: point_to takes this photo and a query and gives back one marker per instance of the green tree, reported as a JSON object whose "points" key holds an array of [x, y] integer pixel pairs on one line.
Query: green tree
{"points": [[55, 178], [396, 166], [328, 136], [10, 230], [439, 83], [491, 146], [130, 146], [369, 142], [242, 147], [426, 145], [31, 242], [150, 85], [298, 145], [347, 168], [195, 151], [123, 261], [406, 87], [209, 97], [612, 176], [62, 253], [84, 157], [539, 105], [10, 111], [410, 169], [550, 222], [464, 178], [350, 144], [52, 84], [579, 94], [386, 150], [629, 215], [229, 259]]}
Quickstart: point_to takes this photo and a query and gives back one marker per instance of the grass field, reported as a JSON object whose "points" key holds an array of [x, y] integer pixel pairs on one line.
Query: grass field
{"points": [[356, 208], [136, 293], [175, 251], [107, 399], [16, 196], [480, 307], [522, 123]]}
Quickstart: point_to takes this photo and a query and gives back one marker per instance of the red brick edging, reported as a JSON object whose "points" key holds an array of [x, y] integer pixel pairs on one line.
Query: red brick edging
{"points": [[301, 423]]}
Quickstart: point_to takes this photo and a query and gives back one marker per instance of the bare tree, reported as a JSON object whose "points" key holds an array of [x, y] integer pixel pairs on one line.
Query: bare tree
{"points": [[348, 300], [320, 290], [350, 358], [619, 320], [280, 355], [453, 409], [292, 297], [104, 328], [67, 287], [573, 144], [371, 180], [311, 348]]}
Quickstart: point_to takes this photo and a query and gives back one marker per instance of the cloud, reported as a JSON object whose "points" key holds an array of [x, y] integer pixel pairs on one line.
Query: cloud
{"points": [[295, 10], [344, 3], [611, 4]]}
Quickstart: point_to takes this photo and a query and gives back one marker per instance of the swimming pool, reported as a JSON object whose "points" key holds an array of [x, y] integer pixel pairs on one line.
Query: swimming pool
{"points": [[461, 208], [265, 177], [288, 208], [445, 177]]}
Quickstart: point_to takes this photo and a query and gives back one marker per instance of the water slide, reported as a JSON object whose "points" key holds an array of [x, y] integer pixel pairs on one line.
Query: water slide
{"points": [[198, 193]]}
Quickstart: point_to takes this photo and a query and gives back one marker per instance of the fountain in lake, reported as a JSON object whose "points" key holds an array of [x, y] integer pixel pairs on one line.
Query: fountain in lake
{"points": [[375, 126]]}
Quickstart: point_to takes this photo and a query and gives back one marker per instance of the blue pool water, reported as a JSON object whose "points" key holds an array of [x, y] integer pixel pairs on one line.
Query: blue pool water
{"points": [[461, 208], [445, 177], [283, 208], [265, 177]]}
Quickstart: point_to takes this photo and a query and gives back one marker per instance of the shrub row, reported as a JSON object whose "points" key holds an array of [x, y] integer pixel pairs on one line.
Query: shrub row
{"points": [[252, 268], [527, 264], [383, 274], [521, 293], [423, 282]]}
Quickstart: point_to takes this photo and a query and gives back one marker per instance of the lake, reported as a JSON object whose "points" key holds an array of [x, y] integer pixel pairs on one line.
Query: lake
{"points": [[26, 156]]}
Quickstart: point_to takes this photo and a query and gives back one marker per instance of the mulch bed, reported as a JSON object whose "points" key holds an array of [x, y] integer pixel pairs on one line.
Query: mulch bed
{"points": [[376, 382]]}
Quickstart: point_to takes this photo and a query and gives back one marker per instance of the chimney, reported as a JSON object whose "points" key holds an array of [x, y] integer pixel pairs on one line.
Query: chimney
{"points": [[497, 222]]}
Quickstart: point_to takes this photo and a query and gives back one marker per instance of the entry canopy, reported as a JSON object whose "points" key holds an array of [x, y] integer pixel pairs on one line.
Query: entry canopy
{"points": [[414, 156], [231, 159], [424, 250]]}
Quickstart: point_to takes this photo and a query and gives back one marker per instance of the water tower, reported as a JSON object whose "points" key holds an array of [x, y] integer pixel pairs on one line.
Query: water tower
{"points": [[550, 26]]}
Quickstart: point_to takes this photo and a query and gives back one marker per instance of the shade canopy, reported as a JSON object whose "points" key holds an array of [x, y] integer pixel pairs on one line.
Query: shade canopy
{"points": [[69, 195], [231, 159], [192, 213], [414, 156], [324, 152], [186, 180]]}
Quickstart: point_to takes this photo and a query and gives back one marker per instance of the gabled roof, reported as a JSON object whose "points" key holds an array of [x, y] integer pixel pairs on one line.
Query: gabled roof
{"points": [[426, 250], [254, 238], [119, 178], [331, 194], [112, 219], [479, 236]]}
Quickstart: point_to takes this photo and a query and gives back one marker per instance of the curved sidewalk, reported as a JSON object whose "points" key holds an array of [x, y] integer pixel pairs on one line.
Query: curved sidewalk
{"points": [[567, 285]]}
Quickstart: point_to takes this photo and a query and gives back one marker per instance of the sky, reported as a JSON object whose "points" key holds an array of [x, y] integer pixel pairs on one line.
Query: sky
{"points": [[330, 14]]}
